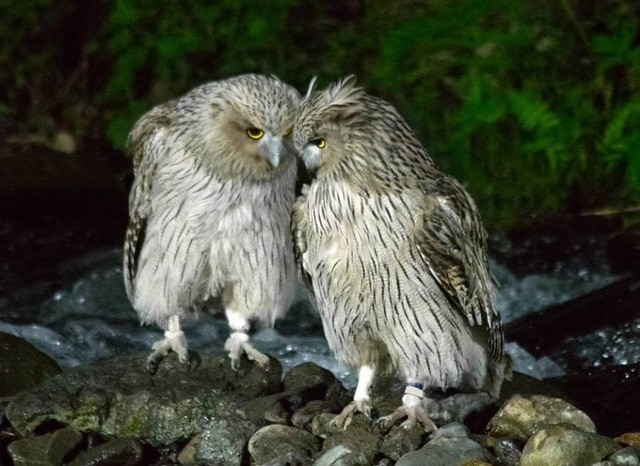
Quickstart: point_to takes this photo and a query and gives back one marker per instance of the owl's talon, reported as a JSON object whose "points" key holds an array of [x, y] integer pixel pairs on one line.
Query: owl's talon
{"points": [[174, 340], [342, 420], [238, 344], [414, 415]]}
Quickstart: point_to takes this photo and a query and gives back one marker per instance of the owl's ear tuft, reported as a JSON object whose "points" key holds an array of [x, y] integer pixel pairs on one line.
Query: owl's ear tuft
{"points": [[343, 93], [343, 100]]}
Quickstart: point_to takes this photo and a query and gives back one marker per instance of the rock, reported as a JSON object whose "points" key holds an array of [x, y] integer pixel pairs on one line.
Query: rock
{"points": [[44, 450], [565, 444], [22, 366], [522, 416], [630, 438], [507, 452], [224, 440], [187, 456], [119, 398], [310, 381], [117, 452], [629, 456], [289, 444], [321, 425], [449, 446], [609, 395], [268, 409], [358, 437], [302, 418], [400, 441], [340, 456]]}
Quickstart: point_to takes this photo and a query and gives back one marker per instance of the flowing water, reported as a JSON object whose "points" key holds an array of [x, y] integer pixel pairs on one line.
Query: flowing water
{"points": [[84, 315]]}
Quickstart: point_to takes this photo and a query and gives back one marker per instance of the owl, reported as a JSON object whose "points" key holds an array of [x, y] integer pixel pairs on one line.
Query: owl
{"points": [[210, 208], [394, 252]]}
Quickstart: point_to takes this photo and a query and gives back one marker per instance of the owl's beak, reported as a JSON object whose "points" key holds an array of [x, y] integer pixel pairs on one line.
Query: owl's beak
{"points": [[273, 147]]}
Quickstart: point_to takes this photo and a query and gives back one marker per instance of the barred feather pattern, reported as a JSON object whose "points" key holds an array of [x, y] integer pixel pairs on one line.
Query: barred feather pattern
{"points": [[395, 251], [208, 216]]}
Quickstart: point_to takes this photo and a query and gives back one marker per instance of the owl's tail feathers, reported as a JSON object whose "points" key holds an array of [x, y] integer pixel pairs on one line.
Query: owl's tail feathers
{"points": [[497, 372]]}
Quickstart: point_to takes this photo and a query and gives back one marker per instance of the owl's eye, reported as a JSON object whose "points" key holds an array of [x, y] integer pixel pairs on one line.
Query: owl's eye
{"points": [[319, 142], [288, 131], [255, 133]]}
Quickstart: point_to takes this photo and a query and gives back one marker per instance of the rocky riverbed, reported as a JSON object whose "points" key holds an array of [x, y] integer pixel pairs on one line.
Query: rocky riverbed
{"points": [[114, 412]]}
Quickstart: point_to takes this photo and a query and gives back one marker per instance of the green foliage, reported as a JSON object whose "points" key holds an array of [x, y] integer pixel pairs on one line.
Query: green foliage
{"points": [[163, 48], [534, 105]]}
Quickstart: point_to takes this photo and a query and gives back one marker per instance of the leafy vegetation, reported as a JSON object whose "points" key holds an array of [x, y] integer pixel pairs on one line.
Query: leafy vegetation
{"points": [[535, 105]]}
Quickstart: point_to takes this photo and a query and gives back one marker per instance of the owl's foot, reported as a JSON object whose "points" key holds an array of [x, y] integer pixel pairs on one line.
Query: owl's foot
{"points": [[174, 340], [412, 408], [342, 420], [414, 415], [238, 344]]}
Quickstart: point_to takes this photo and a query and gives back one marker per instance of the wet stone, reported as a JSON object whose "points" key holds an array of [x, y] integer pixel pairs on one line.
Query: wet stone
{"points": [[302, 418], [629, 456], [278, 442], [522, 416], [309, 380], [341, 456], [400, 441], [224, 440], [117, 452], [448, 446], [267, 409], [22, 366], [119, 398], [507, 452], [565, 444], [630, 438], [44, 450], [357, 437]]}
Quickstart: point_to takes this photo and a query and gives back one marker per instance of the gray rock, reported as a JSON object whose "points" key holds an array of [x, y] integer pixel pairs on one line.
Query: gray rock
{"points": [[400, 441], [449, 446], [310, 381], [267, 409], [44, 450], [340, 456], [629, 456], [22, 366], [357, 437], [321, 425], [224, 440], [278, 442], [117, 452], [565, 444], [507, 452], [119, 398], [302, 418], [522, 416]]}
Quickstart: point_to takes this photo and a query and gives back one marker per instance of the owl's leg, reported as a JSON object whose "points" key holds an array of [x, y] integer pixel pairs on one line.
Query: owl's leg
{"points": [[238, 342], [361, 400], [412, 408], [174, 340]]}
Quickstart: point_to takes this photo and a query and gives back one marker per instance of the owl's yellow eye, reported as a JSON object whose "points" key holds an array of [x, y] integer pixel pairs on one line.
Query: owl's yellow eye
{"points": [[319, 142], [288, 131], [255, 133]]}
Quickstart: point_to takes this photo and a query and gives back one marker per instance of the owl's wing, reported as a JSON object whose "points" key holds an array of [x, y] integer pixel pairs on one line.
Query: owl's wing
{"points": [[146, 145], [299, 226], [452, 244]]}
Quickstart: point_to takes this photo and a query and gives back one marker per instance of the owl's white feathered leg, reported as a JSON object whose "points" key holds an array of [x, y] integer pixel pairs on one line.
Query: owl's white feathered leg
{"points": [[412, 408], [174, 340], [361, 400], [238, 342]]}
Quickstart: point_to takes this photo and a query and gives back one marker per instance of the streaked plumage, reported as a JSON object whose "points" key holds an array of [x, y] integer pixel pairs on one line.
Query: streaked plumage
{"points": [[210, 207], [395, 253]]}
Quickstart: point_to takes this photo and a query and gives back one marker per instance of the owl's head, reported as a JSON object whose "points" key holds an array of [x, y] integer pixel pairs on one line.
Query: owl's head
{"points": [[327, 121], [247, 125], [345, 133]]}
